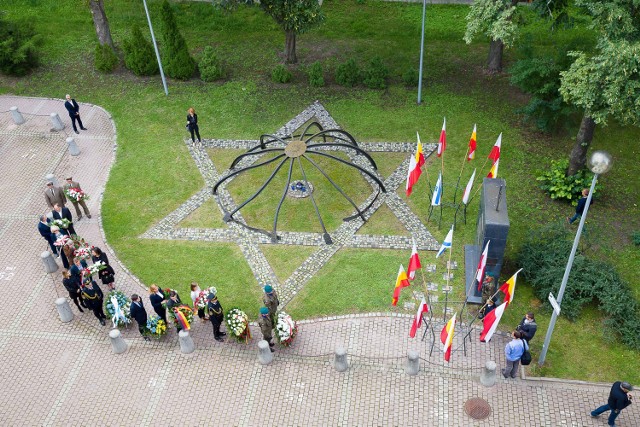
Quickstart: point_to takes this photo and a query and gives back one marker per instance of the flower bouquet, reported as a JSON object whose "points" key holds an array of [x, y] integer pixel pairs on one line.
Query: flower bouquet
{"points": [[95, 267], [76, 194], [203, 298], [62, 240], [61, 223], [118, 307], [286, 329], [156, 327], [238, 324], [83, 253], [183, 316]]}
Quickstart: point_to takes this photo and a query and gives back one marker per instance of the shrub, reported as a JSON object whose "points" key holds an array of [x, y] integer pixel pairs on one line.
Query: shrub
{"points": [[139, 56], [635, 238], [376, 73], [176, 60], [105, 58], [280, 74], [348, 73], [555, 182], [410, 77], [210, 66], [315, 75], [545, 253], [18, 48]]}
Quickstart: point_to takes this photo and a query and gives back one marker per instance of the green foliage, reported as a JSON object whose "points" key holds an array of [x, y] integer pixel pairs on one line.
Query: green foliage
{"points": [[545, 254], [105, 58], [176, 60], [635, 238], [410, 77], [493, 19], [376, 73], [139, 56], [348, 73], [210, 65], [18, 48], [555, 182], [315, 75], [280, 74]]}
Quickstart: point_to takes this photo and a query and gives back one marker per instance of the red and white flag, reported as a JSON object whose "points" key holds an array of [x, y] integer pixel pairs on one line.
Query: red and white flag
{"points": [[490, 322], [472, 145], [482, 265], [413, 173], [417, 321], [446, 336], [414, 262], [467, 189], [495, 156], [442, 143]]}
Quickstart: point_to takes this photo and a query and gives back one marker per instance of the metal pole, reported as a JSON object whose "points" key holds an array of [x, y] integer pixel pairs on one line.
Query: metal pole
{"points": [[155, 46], [567, 271], [424, 14]]}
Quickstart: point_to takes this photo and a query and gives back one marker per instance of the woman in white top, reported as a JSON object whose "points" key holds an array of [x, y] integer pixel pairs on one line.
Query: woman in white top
{"points": [[195, 293]]}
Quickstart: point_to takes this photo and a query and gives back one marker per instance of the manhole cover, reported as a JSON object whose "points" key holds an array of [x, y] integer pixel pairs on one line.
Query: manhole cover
{"points": [[476, 408]]}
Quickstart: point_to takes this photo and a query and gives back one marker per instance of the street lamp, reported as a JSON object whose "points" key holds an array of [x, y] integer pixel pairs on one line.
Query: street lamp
{"points": [[599, 163]]}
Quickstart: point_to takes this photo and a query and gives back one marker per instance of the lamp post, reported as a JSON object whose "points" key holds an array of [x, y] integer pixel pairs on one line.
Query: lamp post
{"points": [[599, 163], [424, 14]]}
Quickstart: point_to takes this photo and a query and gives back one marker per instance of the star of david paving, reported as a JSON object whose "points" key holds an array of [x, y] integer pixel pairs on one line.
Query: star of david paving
{"points": [[344, 236]]}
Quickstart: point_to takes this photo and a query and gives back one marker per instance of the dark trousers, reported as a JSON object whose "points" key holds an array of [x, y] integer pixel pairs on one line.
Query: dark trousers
{"points": [[192, 129], [612, 416], [77, 300], [201, 313], [72, 230], [73, 122], [97, 311], [162, 313], [65, 261], [216, 326], [51, 245], [142, 328]]}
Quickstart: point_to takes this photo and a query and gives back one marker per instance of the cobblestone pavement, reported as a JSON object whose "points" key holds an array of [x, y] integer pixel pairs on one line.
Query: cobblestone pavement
{"points": [[66, 373]]}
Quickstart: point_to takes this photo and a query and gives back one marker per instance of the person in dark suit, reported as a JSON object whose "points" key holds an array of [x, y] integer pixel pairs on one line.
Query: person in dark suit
{"points": [[62, 212], [57, 234], [174, 301], [216, 316], [139, 314], [74, 112], [157, 299], [192, 124], [45, 231], [93, 298], [77, 268], [107, 275], [53, 195], [73, 287]]}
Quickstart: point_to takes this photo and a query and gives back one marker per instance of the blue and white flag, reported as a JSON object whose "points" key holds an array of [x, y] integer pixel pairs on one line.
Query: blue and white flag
{"points": [[447, 243], [437, 192]]}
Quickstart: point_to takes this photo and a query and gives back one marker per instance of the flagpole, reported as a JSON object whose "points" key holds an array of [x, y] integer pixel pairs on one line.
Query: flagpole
{"points": [[446, 294], [464, 161]]}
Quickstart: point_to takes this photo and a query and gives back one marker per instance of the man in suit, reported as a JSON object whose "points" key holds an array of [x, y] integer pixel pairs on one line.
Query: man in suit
{"points": [[45, 231], [62, 212], [139, 314], [74, 112], [54, 195], [74, 184]]}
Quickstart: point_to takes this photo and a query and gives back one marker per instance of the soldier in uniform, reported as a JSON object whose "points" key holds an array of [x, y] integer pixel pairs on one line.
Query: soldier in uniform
{"points": [[92, 295], [266, 326], [216, 316], [271, 301], [488, 291]]}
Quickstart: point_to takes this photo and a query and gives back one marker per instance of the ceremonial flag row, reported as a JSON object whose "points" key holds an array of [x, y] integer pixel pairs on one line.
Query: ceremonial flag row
{"points": [[492, 319]]}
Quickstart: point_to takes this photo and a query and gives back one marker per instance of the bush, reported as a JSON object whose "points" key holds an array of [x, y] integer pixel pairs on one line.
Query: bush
{"points": [[139, 56], [376, 73], [280, 74], [176, 60], [210, 66], [545, 255], [18, 48], [105, 58], [410, 77], [348, 73], [558, 185], [315, 75], [635, 238]]}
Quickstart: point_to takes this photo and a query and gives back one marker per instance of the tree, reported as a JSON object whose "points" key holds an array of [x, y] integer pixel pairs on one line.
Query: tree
{"points": [[18, 48], [138, 54], [293, 16], [101, 22], [176, 60], [493, 19], [606, 83]]}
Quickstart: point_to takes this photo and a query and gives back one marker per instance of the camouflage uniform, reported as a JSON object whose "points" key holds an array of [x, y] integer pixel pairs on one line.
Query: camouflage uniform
{"points": [[266, 327], [272, 302]]}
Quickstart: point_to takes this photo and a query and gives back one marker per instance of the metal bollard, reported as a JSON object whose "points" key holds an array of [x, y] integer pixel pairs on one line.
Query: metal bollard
{"points": [[64, 310], [264, 353], [413, 363], [73, 147], [340, 363], [488, 376], [117, 342], [52, 178], [16, 115], [56, 122], [186, 342], [50, 265]]}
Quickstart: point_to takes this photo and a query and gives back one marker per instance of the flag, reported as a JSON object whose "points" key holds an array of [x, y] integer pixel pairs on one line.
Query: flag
{"points": [[417, 321], [437, 192], [490, 322], [495, 151], [447, 243], [467, 190], [493, 173], [446, 336], [415, 163], [414, 262], [442, 143], [401, 282], [472, 145], [419, 152], [482, 265], [509, 288]]}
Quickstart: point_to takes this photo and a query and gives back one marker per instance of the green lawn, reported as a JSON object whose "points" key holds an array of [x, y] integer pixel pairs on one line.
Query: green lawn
{"points": [[246, 105]]}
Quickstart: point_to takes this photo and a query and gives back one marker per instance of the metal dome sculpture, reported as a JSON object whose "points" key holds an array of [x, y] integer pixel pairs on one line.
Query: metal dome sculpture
{"points": [[292, 149]]}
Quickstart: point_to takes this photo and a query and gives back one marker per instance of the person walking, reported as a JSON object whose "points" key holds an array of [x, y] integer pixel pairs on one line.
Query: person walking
{"points": [[528, 326], [45, 231], [216, 316], [513, 352], [76, 185], [73, 287], [192, 124], [157, 302], [60, 212], [582, 203], [195, 293], [619, 398], [266, 326], [271, 301], [93, 296], [74, 113], [139, 314], [53, 195]]}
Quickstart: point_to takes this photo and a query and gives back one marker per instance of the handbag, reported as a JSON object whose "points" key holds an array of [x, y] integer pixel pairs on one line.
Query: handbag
{"points": [[526, 356]]}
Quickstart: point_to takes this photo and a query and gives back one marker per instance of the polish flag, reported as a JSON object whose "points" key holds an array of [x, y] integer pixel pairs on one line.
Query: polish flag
{"points": [[442, 143], [482, 265], [414, 262], [495, 151], [490, 322], [417, 321], [467, 190], [412, 175]]}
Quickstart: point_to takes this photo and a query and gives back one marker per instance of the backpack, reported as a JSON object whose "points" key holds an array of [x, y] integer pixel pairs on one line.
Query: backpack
{"points": [[526, 356]]}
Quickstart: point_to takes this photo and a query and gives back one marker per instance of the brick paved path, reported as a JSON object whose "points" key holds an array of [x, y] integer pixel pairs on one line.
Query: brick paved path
{"points": [[66, 374]]}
